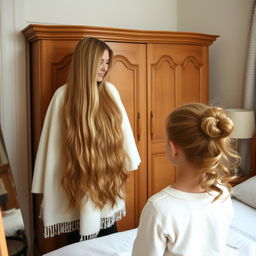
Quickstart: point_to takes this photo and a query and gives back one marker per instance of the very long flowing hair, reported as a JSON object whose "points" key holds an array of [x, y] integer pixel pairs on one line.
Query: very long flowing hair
{"points": [[93, 143]]}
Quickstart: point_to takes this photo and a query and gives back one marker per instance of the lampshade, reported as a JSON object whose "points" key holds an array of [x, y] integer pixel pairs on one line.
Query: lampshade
{"points": [[244, 123]]}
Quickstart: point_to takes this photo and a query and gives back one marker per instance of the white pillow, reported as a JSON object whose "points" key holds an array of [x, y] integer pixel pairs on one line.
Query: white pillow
{"points": [[246, 192], [13, 222]]}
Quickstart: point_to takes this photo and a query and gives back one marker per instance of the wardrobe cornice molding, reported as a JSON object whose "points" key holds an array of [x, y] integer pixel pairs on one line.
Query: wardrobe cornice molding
{"points": [[34, 32]]}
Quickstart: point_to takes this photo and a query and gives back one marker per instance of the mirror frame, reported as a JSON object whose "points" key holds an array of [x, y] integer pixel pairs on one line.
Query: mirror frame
{"points": [[12, 231], [3, 245]]}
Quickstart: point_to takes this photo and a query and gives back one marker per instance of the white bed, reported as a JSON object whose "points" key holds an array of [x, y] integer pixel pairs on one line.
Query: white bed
{"points": [[241, 240], [242, 231]]}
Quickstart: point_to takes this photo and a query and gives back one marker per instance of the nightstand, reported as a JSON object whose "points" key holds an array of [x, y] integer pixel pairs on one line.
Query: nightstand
{"points": [[237, 180]]}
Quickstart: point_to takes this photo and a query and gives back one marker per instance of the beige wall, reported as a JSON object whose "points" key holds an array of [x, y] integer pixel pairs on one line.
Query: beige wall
{"points": [[229, 19], [136, 14], [14, 100]]}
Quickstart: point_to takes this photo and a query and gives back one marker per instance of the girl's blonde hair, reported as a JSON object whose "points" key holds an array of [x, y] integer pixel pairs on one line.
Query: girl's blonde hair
{"points": [[203, 134], [93, 143]]}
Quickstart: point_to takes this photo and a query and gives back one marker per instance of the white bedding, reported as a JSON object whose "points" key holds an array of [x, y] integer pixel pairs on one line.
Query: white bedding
{"points": [[242, 232], [118, 244], [241, 240]]}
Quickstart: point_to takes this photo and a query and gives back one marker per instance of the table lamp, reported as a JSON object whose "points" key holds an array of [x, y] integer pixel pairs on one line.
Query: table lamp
{"points": [[244, 127]]}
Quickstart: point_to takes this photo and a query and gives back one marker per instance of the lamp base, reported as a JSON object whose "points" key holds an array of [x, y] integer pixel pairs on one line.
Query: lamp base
{"points": [[237, 171]]}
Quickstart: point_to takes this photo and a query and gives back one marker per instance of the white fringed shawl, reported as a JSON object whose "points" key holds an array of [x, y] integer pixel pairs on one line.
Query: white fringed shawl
{"points": [[47, 176]]}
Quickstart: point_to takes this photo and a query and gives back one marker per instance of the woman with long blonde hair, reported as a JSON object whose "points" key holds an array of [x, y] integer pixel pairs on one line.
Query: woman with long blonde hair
{"points": [[86, 150], [192, 216]]}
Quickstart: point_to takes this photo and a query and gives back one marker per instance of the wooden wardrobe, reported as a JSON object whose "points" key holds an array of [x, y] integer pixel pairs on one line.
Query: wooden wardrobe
{"points": [[154, 71]]}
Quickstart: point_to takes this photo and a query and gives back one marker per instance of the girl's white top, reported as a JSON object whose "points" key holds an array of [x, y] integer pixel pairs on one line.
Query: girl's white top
{"points": [[49, 165], [176, 223]]}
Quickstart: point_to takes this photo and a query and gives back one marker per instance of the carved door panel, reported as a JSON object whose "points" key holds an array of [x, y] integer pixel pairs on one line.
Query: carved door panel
{"points": [[176, 75], [129, 76], [49, 69]]}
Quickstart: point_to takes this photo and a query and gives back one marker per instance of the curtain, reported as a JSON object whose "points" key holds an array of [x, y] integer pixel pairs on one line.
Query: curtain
{"points": [[249, 99]]}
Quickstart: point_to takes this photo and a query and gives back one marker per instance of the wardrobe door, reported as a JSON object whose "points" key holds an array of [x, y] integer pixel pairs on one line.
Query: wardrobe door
{"points": [[129, 76], [50, 61], [177, 74]]}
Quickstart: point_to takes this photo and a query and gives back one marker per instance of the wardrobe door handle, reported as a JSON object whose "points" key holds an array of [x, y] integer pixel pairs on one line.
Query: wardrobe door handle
{"points": [[151, 125], [138, 126]]}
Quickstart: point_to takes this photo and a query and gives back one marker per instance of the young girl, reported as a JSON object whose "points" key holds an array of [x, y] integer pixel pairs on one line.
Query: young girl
{"points": [[192, 216], [86, 150]]}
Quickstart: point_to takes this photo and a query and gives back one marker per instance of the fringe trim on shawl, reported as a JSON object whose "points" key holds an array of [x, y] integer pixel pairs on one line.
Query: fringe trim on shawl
{"points": [[88, 237], [59, 228], [106, 223], [66, 227]]}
